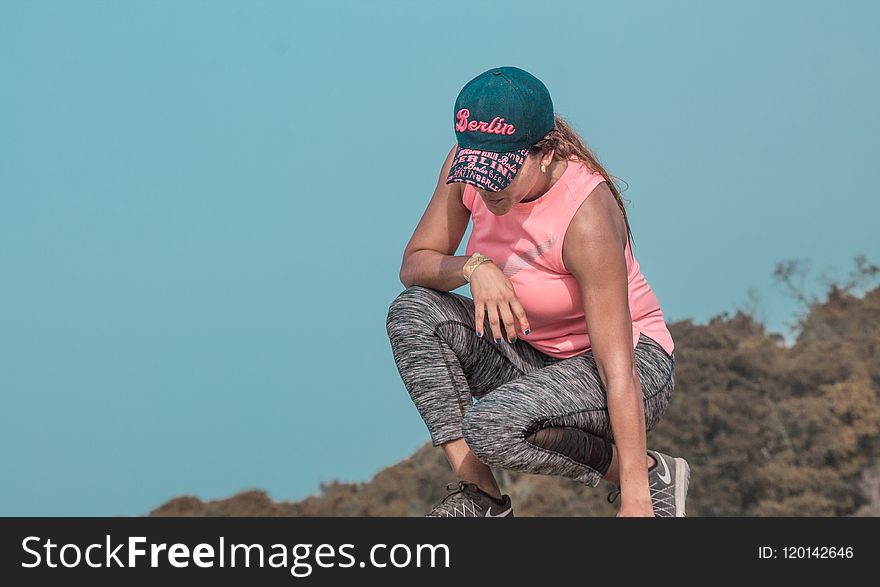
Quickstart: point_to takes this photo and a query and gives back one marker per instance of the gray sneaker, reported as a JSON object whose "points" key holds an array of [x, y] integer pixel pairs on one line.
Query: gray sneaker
{"points": [[668, 482], [467, 500]]}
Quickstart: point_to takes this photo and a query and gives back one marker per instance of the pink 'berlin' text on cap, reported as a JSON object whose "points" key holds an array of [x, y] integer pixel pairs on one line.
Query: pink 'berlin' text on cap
{"points": [[498, 116]]}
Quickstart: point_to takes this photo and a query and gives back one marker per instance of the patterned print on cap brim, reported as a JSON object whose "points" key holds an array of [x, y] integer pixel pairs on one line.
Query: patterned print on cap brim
{"points": [[486, 169]]}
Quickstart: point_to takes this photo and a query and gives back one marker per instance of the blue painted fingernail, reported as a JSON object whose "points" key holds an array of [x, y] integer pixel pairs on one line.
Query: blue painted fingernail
{"points": [[480, 334], [498, 339], [526, 330], [513, 340]]}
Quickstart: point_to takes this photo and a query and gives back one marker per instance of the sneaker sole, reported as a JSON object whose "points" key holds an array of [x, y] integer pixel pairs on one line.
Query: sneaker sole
{"points": [[682, 480]]}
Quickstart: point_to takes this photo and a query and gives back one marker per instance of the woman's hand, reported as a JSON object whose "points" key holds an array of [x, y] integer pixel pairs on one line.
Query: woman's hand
{"points": [[493, 292]]}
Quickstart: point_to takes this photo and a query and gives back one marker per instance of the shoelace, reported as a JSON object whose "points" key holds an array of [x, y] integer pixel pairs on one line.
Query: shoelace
{"points": [[453, 488], [615, 492], [662, 500]]}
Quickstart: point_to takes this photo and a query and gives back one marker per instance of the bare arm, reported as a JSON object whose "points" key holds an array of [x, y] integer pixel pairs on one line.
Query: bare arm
{"points": [[429, 257], [593, 251]]}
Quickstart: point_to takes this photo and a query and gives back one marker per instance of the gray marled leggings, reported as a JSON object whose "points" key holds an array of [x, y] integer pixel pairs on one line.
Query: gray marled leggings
{"points": [[445, 366]]}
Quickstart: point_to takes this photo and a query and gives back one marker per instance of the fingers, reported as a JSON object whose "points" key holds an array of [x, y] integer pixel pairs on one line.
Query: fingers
{"points": [[480, 317], [494, 323], [520, 313], [507, 317], [501, 313]]}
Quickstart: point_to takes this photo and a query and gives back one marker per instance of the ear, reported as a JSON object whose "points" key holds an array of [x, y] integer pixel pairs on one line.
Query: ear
{"points": [[547, 158]]}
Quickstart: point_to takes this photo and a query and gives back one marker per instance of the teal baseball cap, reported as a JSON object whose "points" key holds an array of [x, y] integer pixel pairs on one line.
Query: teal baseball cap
{"points": [[498, 116]]}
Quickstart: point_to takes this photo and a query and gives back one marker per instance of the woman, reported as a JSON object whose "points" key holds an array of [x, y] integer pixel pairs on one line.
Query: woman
{"points": [[578, 363]]}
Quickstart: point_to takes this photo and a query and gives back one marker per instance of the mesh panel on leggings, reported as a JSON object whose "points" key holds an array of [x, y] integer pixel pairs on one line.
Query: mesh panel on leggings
{"points": [[576, 444]]}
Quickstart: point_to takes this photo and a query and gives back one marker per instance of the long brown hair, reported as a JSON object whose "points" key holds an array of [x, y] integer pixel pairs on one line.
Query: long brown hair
{"points": [[566, 143]]}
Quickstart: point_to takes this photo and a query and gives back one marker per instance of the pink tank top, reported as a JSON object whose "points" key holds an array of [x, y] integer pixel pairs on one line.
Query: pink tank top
{"points": [[526, 244]]}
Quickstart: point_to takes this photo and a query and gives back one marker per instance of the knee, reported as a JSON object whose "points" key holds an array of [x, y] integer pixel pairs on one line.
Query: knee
{"points": [[408, 303], [653, 415], [656, 406]]}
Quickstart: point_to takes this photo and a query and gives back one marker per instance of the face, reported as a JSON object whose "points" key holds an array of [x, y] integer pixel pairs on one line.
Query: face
{"points": [[527, 183]]}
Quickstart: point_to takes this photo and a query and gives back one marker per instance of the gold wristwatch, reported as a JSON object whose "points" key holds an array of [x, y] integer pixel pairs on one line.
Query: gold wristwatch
{"points": [[472, 263]]}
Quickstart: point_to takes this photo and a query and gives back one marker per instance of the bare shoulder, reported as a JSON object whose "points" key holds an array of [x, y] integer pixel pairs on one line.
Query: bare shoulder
{"points": [[598, 223]]}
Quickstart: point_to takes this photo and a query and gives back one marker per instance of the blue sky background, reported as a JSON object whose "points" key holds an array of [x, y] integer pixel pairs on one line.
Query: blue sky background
{"points": [[203, 208]]}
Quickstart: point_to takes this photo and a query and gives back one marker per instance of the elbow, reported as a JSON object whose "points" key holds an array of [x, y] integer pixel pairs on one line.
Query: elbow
{"points": [[406, 269], [403, 276]]}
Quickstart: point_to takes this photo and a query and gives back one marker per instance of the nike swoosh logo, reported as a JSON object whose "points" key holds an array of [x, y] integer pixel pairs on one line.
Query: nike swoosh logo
{"points": [[504, 513], [665, 476]]}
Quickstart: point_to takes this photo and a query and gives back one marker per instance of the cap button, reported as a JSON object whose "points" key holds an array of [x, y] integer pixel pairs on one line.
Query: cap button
{"points": [[496, 73]]}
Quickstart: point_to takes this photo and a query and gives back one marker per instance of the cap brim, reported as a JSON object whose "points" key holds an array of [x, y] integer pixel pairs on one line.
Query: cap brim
{"points": [[488, 170]]}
